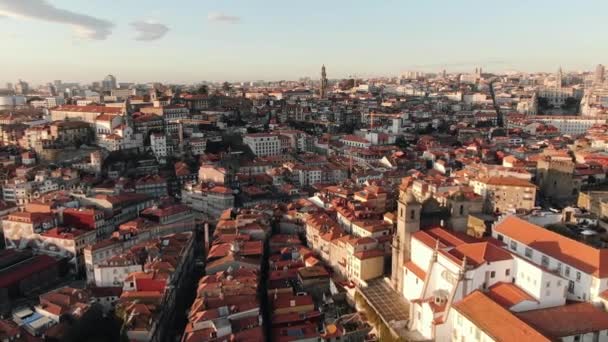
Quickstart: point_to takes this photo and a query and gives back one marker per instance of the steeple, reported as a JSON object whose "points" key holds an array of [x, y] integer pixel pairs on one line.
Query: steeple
{"points": [[558, 81], [323, 92], [128, 119]]}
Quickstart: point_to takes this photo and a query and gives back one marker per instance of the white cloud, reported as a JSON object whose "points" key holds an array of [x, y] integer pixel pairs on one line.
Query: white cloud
{"points": [[222, 17], [84, 25], [148, 30]]}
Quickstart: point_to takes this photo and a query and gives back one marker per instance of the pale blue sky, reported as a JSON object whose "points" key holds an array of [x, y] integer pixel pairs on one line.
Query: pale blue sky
{"points": [[194, 40]]}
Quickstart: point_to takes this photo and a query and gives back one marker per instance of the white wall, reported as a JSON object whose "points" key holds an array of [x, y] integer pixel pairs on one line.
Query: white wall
{"points": [[582, 286], [113, 276]]}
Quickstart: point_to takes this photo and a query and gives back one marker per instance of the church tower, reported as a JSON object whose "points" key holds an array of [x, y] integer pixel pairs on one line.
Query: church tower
{"points": [[408, 222], [323, 91], [558, 80], [127, 113]]}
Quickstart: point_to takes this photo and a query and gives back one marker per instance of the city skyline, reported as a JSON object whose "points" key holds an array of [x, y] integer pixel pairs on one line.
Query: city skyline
{"points": [[240, 40]]}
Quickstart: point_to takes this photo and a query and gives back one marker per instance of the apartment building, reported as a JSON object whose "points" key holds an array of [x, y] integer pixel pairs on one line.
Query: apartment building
{"points": [[263, 144], [581, 267], [505, 194]]}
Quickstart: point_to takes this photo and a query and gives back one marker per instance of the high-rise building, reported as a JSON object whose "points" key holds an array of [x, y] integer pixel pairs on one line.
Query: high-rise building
{"points": [[558, 78], [108, 83], [599, 74], [22, 87], [323, 82]]}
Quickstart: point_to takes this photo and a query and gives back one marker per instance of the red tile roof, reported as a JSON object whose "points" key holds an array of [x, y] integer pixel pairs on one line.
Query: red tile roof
{"points": [[372, 253], [91, 109], [508, 294], [495, 321], [579, 255], [419, 272], [567, 320], [480, 253], [507, 181], [26, 269]]}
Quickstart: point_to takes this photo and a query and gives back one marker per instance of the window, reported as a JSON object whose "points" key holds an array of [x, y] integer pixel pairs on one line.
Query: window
{"points": [[462, 210], [570, 286], [459, 320], [513, 245], [578, 276], [548, 284], [528, 252], [507, 272], [492, 274], [567, 271], [412, 214], [544, 261], [500, 237]]}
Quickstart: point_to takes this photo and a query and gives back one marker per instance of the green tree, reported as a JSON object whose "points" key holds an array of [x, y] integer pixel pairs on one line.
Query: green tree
{"points": [[203, 90]]}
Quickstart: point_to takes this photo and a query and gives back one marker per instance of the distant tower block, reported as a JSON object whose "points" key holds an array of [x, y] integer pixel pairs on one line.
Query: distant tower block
{"points": [[323, 82], [599, 74]]}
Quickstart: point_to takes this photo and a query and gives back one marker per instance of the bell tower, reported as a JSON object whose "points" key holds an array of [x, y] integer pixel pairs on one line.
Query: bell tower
{"points": [[323, 91], [408, 222]]}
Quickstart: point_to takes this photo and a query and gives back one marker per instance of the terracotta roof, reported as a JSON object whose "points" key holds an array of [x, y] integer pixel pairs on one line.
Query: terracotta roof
{"points": [[480, 253], [419, 272], [579, 255], [508, 294], [89, 109], [25, 269], [507, 181], [372, 253], [567, 320], [495, 321], [355, 138], [446, 238]]}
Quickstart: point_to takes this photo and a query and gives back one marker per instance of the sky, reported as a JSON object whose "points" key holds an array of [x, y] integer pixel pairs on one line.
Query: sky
{"points": [[189, 41]]}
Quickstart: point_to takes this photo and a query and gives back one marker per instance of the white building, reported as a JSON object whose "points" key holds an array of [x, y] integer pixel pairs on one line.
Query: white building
{"points": [[583, 268], [483, 317], [208, 200], [158, 143], [49, 102], [263, 144], [446, 267], [570, 125], [355, 141], [113, 271], [198, 146]]}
